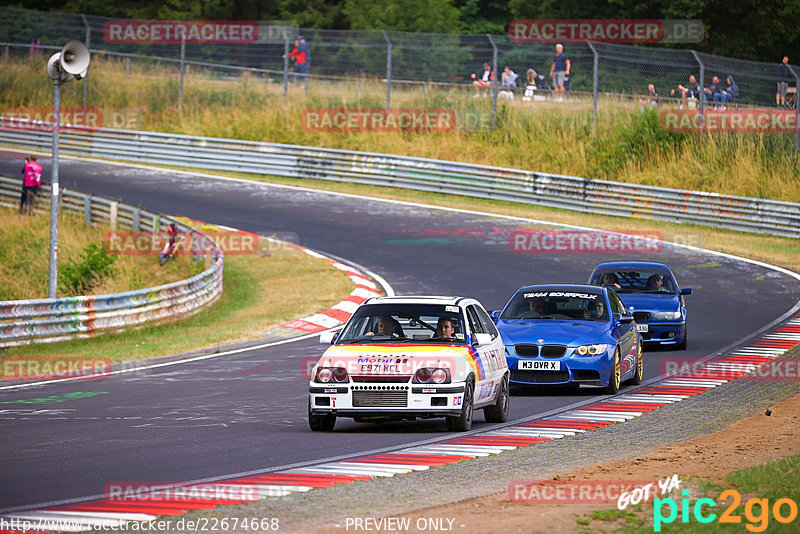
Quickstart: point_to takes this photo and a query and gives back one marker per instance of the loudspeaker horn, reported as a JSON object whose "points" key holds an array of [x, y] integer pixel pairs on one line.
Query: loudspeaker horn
{"points": [[75, 59]]}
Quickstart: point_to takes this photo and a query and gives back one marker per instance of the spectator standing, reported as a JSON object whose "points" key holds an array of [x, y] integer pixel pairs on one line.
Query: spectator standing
{"points": [[483, 80], [31, 182], [302, 58], [783, 82], [560, 71]]}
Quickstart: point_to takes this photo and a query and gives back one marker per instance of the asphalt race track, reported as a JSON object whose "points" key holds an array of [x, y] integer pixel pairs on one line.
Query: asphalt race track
{"points": [[247, 411]]}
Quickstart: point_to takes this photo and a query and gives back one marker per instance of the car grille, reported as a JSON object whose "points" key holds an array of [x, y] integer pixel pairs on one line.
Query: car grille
{"points": [[539, 377], [526, 351], [553, 351], [641, 316], [380, 399], [381, 378]]}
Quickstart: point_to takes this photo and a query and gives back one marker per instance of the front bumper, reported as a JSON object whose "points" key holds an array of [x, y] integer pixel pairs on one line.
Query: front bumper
{"points": [[364, 399], [590, 370], [664, 333]]}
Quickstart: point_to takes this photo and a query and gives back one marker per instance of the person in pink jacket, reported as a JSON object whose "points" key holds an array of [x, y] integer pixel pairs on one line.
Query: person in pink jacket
{"points": [[32, 181]]}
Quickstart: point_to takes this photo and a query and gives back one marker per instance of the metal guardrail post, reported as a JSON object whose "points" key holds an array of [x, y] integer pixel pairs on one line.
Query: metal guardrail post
{"points": [[702, 102], [6, 53], [796, 109], [494, 82], [87, 210], [127, 65], [88, 45], [156, 222], [183, 70], [388, 69], [137, 216], [113, 215], [595, 76]]}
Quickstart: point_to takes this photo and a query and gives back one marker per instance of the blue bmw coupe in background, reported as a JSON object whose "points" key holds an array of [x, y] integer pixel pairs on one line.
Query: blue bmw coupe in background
{"points": [[570, 334], [651, 293]]}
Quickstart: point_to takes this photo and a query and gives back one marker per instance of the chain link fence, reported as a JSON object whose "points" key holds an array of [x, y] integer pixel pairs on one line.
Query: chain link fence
{"points": [[402, 60]]}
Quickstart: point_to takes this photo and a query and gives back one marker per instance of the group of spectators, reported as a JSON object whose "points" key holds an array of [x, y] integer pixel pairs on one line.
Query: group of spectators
{"points": [[721, 94], [559, 72]]}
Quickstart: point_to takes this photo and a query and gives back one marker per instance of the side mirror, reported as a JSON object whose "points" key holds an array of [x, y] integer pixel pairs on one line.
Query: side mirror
{"points": [[481, 339], [496, 315], [686, 291], [622, 319], [327, 337]]}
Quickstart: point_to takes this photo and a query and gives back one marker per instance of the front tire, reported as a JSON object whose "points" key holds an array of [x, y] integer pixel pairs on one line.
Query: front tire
{"points": [[683, 344], [613, 375], [463, 422], [320, 422], [498, 412], [637, 376]]}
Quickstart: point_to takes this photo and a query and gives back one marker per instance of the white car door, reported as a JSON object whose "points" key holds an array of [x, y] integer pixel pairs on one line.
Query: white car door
{"points": [[491, 355]]}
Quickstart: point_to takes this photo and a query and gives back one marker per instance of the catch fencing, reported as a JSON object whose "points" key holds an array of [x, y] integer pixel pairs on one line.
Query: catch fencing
{"points": [[405, 59], [48, 320], [386, 170]]}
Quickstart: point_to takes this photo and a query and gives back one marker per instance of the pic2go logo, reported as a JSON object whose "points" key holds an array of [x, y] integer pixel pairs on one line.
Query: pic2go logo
{"points": [[756, 511]]}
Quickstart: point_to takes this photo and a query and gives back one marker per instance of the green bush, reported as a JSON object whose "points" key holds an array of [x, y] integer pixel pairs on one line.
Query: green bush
{"points": [[80, 276]]}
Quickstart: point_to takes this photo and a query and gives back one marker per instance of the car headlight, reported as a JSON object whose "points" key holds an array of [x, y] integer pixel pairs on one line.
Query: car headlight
{"points": [[331, 374], [667, 316], [432, 375], [591, 350]]}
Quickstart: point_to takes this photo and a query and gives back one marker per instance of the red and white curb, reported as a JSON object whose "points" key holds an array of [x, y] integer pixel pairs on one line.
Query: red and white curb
{"points": [[593, 416], [341, 312]]}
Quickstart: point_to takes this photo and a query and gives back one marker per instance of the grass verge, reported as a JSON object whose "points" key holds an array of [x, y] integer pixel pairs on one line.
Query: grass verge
{"points": [[24, 259], [259, 292], [757, 489]]}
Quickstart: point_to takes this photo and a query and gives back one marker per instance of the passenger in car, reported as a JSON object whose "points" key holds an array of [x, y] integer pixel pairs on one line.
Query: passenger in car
{"points": [[594, 310], [611, 280]]}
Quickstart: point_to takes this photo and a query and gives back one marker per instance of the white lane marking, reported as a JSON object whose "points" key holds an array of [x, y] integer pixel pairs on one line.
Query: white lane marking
{"points": [[404, 467], [350, 472], [514, 431], [694, 382]]}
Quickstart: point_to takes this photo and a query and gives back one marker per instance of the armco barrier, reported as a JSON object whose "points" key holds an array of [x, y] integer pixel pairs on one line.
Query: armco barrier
{"points": [[482, 181], [46, 320]]}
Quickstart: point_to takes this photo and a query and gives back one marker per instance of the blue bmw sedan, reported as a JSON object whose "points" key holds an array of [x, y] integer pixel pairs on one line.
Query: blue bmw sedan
{"points": [[652, 295], [570, 334]]}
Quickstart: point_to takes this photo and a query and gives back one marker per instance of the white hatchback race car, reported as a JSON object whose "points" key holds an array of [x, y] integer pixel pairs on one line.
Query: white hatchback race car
{"points": [[408, 357]]}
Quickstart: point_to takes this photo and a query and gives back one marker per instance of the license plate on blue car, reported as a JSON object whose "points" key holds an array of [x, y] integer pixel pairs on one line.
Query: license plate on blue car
{"points": [[539, 365]]}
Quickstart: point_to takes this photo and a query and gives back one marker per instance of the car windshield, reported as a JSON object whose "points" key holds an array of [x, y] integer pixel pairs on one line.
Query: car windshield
{"points": [[638, 281], [405, 323], [579, 304]]}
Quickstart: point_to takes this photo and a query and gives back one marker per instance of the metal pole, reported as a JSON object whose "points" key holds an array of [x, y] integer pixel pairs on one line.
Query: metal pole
{"points": [[127, 65], [388, 69], [183, 68], [86, 78], [6, 53], [53, 271], [494, 82], [285, 63], [796, 109], [702, 84], [595, 75]]}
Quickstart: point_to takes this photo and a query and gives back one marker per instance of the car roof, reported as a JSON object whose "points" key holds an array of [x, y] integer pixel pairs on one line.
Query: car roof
{"points": [[418, 299], [632, 265]]}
